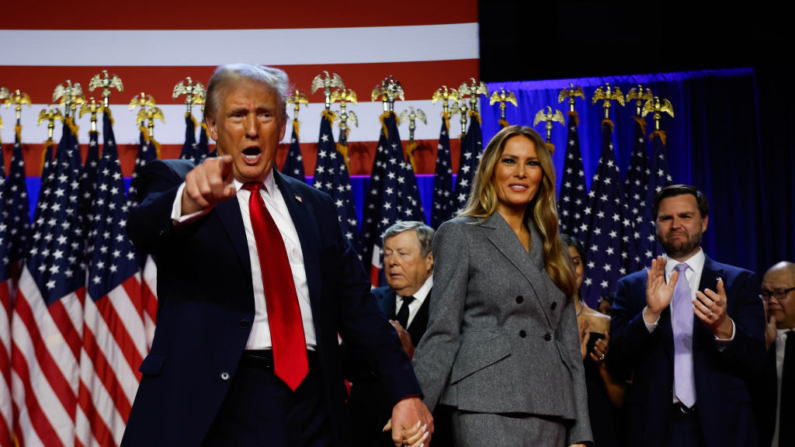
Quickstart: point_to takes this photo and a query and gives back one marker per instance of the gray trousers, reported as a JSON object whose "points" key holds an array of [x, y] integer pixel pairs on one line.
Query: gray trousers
{"points": [[507, 430]]}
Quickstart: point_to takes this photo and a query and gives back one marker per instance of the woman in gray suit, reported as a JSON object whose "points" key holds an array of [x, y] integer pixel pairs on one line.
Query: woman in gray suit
{"points": [[502, 345]]}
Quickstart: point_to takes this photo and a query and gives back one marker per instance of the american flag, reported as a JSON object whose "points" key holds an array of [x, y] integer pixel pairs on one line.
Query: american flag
{"points": [[573, 191], [203, 148], [114, 332], [636, 184], [6, 410], [392, 196], [147, 151], [647, 247], [17, 211], [471, 152], [294, 164], [331, 177], [46, 326], [606, 227], [443, 196], [88, 187], [190, 150]]}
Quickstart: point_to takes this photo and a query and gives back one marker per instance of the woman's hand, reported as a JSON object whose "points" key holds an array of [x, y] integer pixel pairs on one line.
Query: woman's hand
{"points": [[600, 350]]}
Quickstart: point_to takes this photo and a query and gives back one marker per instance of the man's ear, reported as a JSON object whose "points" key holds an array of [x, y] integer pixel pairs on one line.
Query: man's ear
{"points": [[212, 126], [284, 126], [429, 262], [704, 224]]}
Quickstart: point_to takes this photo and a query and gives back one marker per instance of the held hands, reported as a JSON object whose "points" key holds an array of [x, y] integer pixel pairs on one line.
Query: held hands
{"points": [[405, 431], [710, 308], [600, 350], [208, 184], [405, 339], [658, 293]]}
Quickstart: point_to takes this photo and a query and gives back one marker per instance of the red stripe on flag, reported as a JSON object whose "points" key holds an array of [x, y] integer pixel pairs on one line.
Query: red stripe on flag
{"points": [[106, 375], [99, 429], [50, 369], [206, 14], [64, 323], [41, 425], [133, 290], [419, 79], [149, 301], [360, 153], [120, 335]]}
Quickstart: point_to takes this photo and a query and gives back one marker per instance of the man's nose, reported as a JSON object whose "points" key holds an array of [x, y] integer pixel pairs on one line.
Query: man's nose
{"points": [[252, 126]]}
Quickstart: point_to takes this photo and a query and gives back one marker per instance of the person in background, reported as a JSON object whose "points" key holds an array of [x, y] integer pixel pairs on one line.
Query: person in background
{"points": [[605, 395], [605, 305]]}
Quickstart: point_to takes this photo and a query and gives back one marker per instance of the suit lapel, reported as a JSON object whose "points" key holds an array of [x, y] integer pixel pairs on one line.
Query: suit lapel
{"points": [[310, 241], [529, 264], [232, 220], [387, 305]]}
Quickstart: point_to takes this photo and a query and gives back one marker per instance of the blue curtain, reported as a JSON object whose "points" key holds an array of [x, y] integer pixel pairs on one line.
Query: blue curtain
{"points": [[713, 143]]}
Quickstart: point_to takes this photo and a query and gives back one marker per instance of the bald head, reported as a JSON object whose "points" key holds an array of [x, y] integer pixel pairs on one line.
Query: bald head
{"points": [[778, 281]]}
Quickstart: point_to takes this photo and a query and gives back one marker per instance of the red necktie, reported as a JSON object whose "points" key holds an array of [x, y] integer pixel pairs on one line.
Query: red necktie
{"points": [[284, 315]]}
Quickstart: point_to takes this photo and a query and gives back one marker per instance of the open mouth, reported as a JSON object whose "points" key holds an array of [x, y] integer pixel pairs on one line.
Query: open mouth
{"points": [[519, 188], [252, 154]]}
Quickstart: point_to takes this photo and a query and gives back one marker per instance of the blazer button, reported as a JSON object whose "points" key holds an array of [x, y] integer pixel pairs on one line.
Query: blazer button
{"points": [[224, 375], [244, 324], [554, 305], [547, 337], [522, 333], [520, 299]]}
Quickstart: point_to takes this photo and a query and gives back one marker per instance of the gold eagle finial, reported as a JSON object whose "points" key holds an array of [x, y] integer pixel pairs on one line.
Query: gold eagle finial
{"points": [[572, 93], [106, 82], [389, 90], [473, 90], [327, 83], [412, 116], [93, 107], [297, 98], [639, 94], [194, 92], [658, 107], [70, 96], [50, 116], [445, 95], [607, 95], [503, 97], [549, 117], [18, 99]]}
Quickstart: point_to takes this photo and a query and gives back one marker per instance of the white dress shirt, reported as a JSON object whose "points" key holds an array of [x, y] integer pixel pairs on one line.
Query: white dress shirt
{"points": [[781, 340], [419, 298], [260, 336]]}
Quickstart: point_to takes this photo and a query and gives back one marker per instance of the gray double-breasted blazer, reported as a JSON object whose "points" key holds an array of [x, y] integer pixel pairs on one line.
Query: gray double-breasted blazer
{"points": [[501, 337]]}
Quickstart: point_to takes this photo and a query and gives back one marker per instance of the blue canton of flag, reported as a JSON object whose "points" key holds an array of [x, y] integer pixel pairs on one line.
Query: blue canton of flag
{"points": [[88, 187], [331, 177], [46, 176], [17, 211], [189, 148], [393, 196], [606, 226], [471, 152], [635, 186], [147, 151], [113, 259], [647, 246], [294, 164], [56, 259], [443, 198], [573, 192], [203, 147]]}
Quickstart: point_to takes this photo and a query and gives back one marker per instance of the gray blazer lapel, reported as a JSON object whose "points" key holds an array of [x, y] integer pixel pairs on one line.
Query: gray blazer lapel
{"points": [[530, 264]]}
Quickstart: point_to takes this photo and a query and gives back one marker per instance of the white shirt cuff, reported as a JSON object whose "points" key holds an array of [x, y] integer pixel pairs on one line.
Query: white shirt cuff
{"points": [[176, 209], [649, 326], [725, 341]]}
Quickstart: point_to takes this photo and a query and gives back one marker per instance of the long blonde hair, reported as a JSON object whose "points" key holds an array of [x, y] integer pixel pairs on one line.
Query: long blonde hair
{"points": [[483, 202]]}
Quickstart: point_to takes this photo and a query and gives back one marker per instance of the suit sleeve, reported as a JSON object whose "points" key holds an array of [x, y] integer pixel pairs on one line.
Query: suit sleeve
{"points": [[433, 359], [628, 332], [362, 326], [150, 226], [747, 351]]}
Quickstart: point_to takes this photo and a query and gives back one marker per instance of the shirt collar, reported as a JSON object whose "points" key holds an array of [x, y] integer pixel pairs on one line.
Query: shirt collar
{"points": [[268, 183], [695, 262], [422, 293]]}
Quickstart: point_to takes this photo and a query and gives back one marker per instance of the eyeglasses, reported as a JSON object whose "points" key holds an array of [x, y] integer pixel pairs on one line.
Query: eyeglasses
{"points": [[777, 294]]}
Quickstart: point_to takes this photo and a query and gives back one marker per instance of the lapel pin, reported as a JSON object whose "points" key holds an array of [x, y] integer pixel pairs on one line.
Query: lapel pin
{"points": [[299, 199]]}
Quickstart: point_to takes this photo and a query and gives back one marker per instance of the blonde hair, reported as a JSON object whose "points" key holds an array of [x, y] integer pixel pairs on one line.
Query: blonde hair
{"points": [[483, 202]]}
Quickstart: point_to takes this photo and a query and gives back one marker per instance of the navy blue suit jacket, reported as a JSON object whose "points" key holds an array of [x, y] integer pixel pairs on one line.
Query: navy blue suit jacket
{"points": [[722, 377], [206, 307]]}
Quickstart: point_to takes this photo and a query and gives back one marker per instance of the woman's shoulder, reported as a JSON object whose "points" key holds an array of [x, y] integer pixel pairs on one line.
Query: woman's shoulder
{"points": [[599, 322]]}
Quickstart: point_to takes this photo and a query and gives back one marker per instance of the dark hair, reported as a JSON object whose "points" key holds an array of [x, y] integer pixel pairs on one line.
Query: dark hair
{"points": [[572, 241], [678, 190]]}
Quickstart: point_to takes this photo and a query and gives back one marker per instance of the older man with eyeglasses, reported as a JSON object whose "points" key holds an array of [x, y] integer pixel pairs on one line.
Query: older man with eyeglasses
{"points": [[774, 393]]}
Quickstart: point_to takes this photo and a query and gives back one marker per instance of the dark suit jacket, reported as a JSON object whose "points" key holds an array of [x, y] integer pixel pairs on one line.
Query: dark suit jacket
{"points": [[722, 396], [206, 307], [764, 395], [369, 405]]}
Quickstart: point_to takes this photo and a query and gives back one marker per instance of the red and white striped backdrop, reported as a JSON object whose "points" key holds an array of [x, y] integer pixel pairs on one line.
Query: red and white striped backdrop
{"points": [[60, 392], [423, 44]]}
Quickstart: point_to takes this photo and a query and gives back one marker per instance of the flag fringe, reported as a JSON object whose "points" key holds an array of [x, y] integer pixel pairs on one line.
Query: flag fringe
{"points": [[576, 116], [661, 134], [18, 132], [607, 122], [476, 115], [296, 126], [383, 118], [47, 144], [503, 123], [192, 118], [412, 146], [551, 148], [343, 150], [642, 123]]}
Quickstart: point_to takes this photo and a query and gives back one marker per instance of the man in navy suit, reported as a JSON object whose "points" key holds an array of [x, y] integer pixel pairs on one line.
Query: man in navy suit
{"points": [[689, 334], [255, 282], [408, 265]]}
